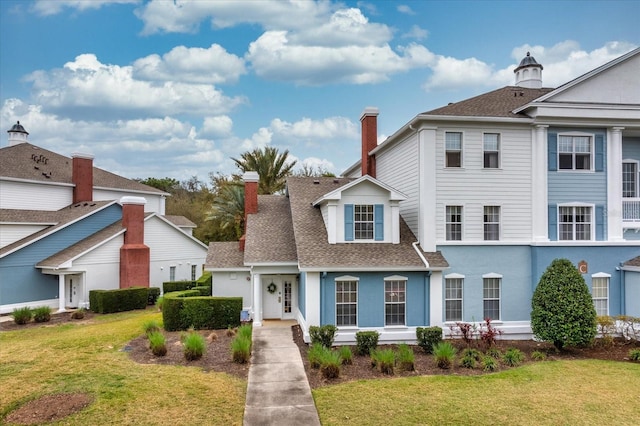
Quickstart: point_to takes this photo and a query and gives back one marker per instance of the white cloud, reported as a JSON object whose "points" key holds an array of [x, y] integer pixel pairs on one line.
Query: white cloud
{"points": [[403, 8], [53, 7], [87, 88], [318, 130], [451, 73], [213, 65], [416, 32], [221, 125], [316, 164]]}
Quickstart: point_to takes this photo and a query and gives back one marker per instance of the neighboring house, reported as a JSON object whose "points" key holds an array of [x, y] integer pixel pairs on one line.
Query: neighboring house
{"points": [[67, 228], [456, 215]]}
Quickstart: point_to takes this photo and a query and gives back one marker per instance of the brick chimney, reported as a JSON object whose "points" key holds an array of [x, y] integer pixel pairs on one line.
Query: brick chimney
{"points": [[135, 257], [250, 200], [82, 177], [369, 120]]}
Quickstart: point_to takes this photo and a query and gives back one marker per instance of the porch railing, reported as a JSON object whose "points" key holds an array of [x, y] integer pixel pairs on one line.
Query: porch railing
{"points": [[631, 209]]}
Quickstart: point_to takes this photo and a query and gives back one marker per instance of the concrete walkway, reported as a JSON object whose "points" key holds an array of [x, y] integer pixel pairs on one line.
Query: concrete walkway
{"points": [[278, 392]]}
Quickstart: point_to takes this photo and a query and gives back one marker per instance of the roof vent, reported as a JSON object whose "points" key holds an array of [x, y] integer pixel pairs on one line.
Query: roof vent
{"points": [[316, 182]]}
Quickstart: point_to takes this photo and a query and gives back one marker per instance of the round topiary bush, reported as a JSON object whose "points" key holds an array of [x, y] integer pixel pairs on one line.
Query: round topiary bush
{"points": [[562, 309]]}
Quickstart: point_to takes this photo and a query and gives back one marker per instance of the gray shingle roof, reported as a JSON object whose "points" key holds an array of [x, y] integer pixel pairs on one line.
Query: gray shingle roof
{"points": [[633, 262], [314, 251], [43, 217], [270, 237], [30, 162], [225, 255], [497, 103], [180, 221]]}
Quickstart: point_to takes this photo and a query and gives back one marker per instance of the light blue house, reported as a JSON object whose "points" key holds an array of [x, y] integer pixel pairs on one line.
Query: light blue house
{"points": [[457, 214]]}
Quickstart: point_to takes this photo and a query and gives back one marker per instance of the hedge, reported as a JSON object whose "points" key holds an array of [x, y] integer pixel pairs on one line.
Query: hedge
{"points": [[204, 290], [154, 293], [185, 309], [119, 300], [203, 281]]}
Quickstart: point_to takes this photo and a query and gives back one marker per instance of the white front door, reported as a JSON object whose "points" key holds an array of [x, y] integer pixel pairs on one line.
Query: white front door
{"points": [[272, 293], [72, 290]]}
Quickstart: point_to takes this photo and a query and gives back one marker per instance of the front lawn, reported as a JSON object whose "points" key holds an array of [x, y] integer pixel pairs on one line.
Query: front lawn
{"points": [[89, 358]]}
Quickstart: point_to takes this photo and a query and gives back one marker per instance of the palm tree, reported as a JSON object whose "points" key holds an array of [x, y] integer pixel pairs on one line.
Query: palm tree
{"points": [[228, 208], [272, 167]]}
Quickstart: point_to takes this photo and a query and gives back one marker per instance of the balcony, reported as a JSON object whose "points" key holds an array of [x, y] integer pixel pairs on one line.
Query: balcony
{"points": [[631, 210]]}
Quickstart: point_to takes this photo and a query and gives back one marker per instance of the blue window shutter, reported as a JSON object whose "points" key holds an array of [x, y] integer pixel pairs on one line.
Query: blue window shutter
{"points": [[378, 214], [553, 222], [599, 153], [348, 222], [600, 223], [552, 150]]}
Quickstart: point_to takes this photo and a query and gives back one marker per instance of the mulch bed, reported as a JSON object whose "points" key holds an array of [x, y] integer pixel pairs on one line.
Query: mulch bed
{"points": [[48, 408], [56, 319]]}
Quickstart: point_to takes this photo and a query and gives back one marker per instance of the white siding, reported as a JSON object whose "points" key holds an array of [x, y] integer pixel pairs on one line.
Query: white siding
{"points": [[398, 168], [155, 203], [365, 193], [12, 233], [473, 187], [34, 196], [234, 284]]}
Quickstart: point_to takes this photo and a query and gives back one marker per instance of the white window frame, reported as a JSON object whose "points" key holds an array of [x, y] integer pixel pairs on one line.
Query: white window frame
{"points": [[458, 150], [395, 296], [574, 154], [448, 223], [194, 272], [369, 225], [574, 206], [486, 151], [486, 223], [350, 280], [600, 278], [486, 279], [457, 279], [172, 273], [636, 175]]}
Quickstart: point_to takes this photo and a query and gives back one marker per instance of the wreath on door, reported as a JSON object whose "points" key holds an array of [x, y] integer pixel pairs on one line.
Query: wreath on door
{"points": [[271, 288]]}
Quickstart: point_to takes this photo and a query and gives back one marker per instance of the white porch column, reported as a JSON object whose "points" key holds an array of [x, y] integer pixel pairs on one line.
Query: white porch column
{"points": [[435, 299], [61, 296], [539, 190], [614, 184], [257, 300], [427, 188]]}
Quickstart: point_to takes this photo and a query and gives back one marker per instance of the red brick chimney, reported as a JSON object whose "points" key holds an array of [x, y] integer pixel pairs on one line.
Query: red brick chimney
{"points": [[82, 177], [135, 257], [250, 200], [369, 120]]}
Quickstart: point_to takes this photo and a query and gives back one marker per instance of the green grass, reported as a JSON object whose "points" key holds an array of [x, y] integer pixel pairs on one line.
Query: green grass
{"points": [[586, 392], [89, 358]]}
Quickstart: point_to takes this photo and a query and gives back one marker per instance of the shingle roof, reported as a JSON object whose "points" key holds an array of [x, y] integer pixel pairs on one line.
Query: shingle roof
{"points": [[30, 162], [270, 237], [498, 103], [61, 218], [43, 217], [225, 255], [314, 251], [180, 221], [633, 262]]}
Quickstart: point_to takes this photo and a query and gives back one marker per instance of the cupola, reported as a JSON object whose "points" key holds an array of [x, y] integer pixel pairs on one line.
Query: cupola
{"points": [[529, 73], [17, 134]]}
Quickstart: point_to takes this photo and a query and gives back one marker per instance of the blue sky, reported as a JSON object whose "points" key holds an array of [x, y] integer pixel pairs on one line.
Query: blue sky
{"points": [[177, 88]]}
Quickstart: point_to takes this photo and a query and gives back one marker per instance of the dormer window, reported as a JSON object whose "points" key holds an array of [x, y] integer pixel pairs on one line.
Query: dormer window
{"points": [[364, 222]]}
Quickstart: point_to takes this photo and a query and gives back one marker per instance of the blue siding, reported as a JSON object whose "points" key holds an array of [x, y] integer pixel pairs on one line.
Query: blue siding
{"points": [[27, 283], [631, 149], [512, 262], [371, 298], [302, 294]]}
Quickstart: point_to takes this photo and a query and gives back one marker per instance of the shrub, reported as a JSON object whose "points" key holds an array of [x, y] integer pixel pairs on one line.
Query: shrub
{"points": [[330, 364], [471, 352], [493, 353], [119, 300], [157, 343], [606, 329], [384, 360], [160, 302], [150, 326], [406, 358], [79, 314], [366, 341], [245, 331], [538, 356], [194, 346], [468, 361], [323, 335], [315, 354], [184, 309], [154, 294], [465, 330], [489, 363], [22, 316], [562, 309], [428, 337], [241, 349], [42, 314], [513, 357], [204, 290], [490, 334], [444, 354], [634, 355], [346, 355]]}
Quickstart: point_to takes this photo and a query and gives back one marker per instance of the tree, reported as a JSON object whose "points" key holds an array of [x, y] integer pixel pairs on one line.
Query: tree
{"points": [[562, 309], [272, 167], [165, 184], [227, 211]]}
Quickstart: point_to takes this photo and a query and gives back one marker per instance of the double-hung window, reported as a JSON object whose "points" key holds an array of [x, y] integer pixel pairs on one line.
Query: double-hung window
{"points": [[574, 152], [491, 223], [395, 299], [363, 221], [491, 298], [600, 294], [172, 273], [630, 179], [491, 149], [453, 149], [453, 298], [194, 271], [453, 223], [347, 303], [575, 223]]}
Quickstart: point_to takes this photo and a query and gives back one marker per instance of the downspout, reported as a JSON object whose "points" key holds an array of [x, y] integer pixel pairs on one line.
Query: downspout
{"points": [[323, 296], [426, 276], [623, 307]]}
